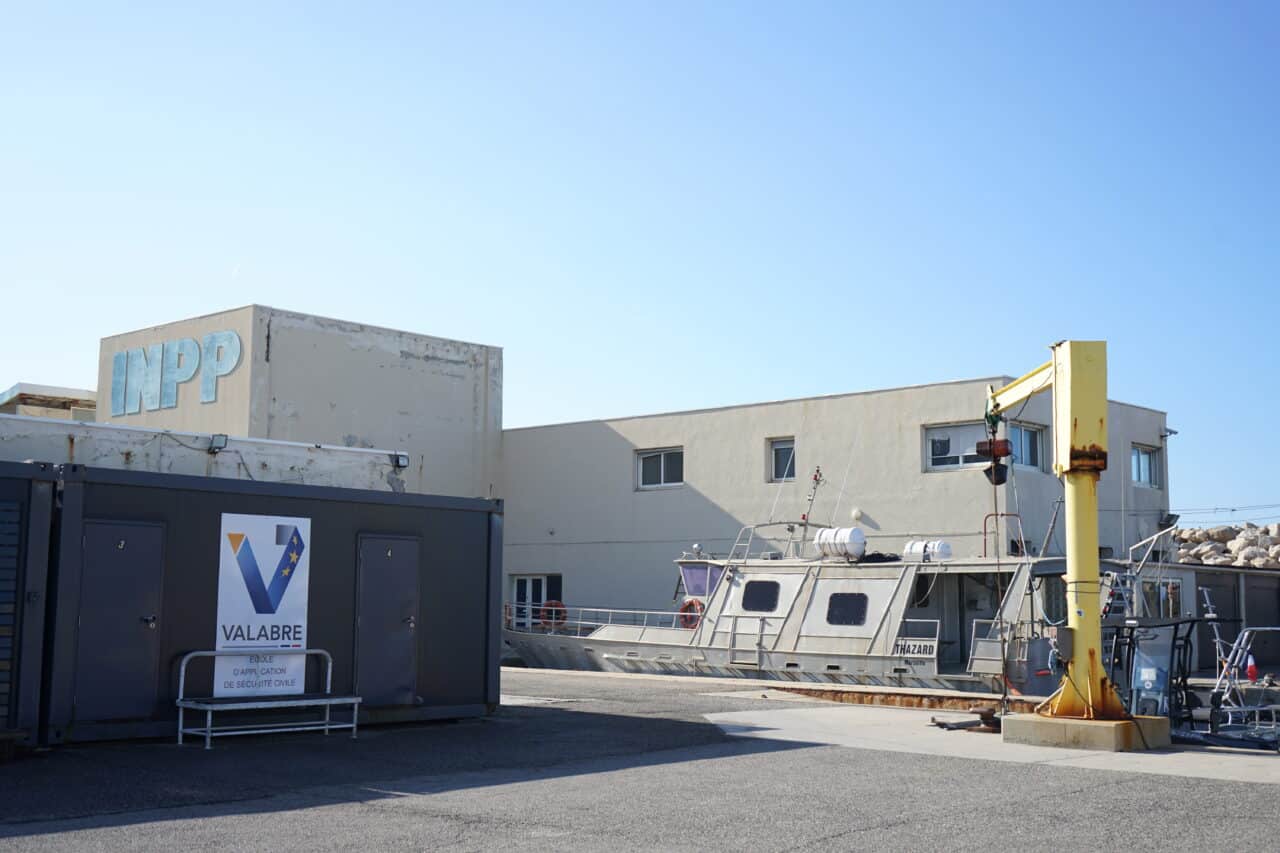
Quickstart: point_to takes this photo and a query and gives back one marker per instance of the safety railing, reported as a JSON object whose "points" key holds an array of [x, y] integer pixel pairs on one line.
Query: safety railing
{"points": [[554, 618], [917, 638], [993, 640]]}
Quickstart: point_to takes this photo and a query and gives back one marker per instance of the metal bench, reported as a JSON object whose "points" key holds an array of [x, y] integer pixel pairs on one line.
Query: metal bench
{"points": [[209, 704]]}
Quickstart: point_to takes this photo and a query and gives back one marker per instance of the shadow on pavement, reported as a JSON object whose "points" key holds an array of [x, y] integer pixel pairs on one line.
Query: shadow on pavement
{"points": [[124, 783]]}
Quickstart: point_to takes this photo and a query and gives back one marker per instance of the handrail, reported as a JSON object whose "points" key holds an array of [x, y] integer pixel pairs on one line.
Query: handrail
{"points": [[240, 653]]}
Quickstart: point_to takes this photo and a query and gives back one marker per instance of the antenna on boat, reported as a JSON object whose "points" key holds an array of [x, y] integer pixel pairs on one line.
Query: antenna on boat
{"points": [[817, 481]]}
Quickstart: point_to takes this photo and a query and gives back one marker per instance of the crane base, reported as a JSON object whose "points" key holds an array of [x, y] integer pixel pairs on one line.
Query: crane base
{"points": [[1104, 735]]}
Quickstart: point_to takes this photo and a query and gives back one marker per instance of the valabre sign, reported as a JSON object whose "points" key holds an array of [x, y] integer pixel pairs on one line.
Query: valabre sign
{"points": [[264, 568]]}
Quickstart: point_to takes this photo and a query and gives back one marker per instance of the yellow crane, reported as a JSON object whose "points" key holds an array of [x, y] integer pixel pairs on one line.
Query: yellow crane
{"points": [[1077, 373]]}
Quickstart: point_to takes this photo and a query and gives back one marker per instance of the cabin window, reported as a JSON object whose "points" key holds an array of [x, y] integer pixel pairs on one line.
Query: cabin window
{"points": [[847, 608], [700, 579], [954, 446], [782, 459], [1146, 466], [658, 468], [1054, 595], [1027, 442], [760, 596]]}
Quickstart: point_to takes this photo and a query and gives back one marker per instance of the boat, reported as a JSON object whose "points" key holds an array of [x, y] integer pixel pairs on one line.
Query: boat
{"points": [[821, 610]]}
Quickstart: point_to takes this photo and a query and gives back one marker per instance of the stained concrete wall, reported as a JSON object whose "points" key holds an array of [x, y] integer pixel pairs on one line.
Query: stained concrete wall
{"points": [[128, 449], [573, 506], [315, 380], [346, 383]]}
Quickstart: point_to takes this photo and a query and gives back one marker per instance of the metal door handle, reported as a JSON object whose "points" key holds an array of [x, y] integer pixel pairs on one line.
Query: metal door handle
{"points": [[149, 621]]}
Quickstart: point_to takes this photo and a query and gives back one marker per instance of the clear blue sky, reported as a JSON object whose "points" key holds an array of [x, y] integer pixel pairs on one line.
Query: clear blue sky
{"points": [[655, 206]]}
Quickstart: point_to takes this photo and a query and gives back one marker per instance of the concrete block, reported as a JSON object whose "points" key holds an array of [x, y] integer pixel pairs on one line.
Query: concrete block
{"points": [[1105, 735]]}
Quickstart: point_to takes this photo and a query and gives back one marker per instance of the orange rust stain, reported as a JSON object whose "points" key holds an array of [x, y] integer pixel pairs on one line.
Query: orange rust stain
{"points": [[903, 700]]}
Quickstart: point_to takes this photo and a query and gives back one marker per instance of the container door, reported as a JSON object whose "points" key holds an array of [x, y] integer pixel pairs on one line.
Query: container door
{"points": [[387, 636], [118, 641]]}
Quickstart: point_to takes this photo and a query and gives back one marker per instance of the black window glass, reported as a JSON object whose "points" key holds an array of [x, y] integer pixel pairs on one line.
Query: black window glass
{"points": [[674, 465], [847, 608], [651, 470], [762, 596]]}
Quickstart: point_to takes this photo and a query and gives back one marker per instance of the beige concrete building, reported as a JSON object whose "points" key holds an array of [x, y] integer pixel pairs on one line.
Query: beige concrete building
{"points": [[260, 372], [597, 511], [48, 401]]}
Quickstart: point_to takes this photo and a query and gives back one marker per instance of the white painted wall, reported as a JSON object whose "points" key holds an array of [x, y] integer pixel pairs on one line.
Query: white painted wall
{"points": [[573, 506]]}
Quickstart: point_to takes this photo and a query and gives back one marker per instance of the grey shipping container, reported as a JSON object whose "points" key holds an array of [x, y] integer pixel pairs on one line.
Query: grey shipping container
{"points": [[403, 591]]}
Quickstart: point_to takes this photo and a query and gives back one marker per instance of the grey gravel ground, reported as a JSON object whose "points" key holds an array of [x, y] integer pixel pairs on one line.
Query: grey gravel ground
{"points": [[627, 764]]}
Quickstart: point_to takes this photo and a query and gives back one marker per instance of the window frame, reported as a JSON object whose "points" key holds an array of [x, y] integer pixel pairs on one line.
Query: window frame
{"points": [[661, 453], [1155, 461], [772, 446], [866, 603], [961, 464], [1038, 430], [777, 596]]}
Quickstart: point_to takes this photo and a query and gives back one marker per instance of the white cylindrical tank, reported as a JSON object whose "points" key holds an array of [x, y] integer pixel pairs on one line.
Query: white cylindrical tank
{"points": [[926, 551], [848, 542]]}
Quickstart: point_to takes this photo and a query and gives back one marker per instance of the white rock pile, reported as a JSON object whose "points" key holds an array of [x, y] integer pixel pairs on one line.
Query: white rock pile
{"points": [[1248, 546]]}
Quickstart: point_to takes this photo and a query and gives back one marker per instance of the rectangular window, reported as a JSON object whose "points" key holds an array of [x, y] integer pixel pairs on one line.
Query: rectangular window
{"points": [[847, 608], [760, 596], [782, 459], [1162, 599], [955, 446], [661, 467], [1027, 442], [1146, 466]]}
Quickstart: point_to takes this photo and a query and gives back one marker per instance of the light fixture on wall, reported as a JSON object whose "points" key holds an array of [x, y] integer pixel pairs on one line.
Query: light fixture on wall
{"points": [[400, 460], [217, 442]]}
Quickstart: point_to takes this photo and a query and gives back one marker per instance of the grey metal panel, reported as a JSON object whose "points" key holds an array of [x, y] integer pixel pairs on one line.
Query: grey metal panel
{"points": [[493, 649], [387, 637], [118, 637], [34, 585], [1262, 603], [1222, 587]]}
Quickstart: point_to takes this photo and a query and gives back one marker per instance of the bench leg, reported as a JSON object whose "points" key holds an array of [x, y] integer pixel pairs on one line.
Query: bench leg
{"points": [[208, 729], [180, 710], [327, 708], [355, 720]]}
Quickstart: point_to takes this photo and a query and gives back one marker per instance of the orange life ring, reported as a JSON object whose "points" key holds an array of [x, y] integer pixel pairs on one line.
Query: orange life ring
{"points": [[552, 613], [691, 613]]}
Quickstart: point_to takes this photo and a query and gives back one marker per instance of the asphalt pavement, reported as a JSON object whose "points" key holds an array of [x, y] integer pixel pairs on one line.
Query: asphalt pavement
{"points": [[592, 762]]}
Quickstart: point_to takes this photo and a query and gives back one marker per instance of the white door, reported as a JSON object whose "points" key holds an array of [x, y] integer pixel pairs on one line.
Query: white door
{"points": [[527, 595]]}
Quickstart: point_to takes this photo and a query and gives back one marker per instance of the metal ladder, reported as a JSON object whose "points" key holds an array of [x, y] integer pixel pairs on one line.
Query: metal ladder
{"points": [[1120, 598]]}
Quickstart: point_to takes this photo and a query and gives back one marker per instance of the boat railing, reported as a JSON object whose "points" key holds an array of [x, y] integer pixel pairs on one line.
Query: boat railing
{"points": [[992, 640], [920, 629], [581, 621]]}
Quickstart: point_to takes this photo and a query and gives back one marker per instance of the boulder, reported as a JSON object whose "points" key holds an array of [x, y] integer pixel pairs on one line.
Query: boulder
{"points": [[1249, 553], [1206, 548], [1275, 551], [1222, 533], [1274, 530], [1220, 560], [1264, 541]]}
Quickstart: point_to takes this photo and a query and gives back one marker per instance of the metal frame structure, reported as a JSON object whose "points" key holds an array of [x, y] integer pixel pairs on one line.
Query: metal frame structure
{"points": [[327, 701], [1077, 373]]}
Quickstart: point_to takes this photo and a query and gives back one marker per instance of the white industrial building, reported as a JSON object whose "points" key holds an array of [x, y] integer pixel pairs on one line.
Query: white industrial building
{"points": [[597, 510]]}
